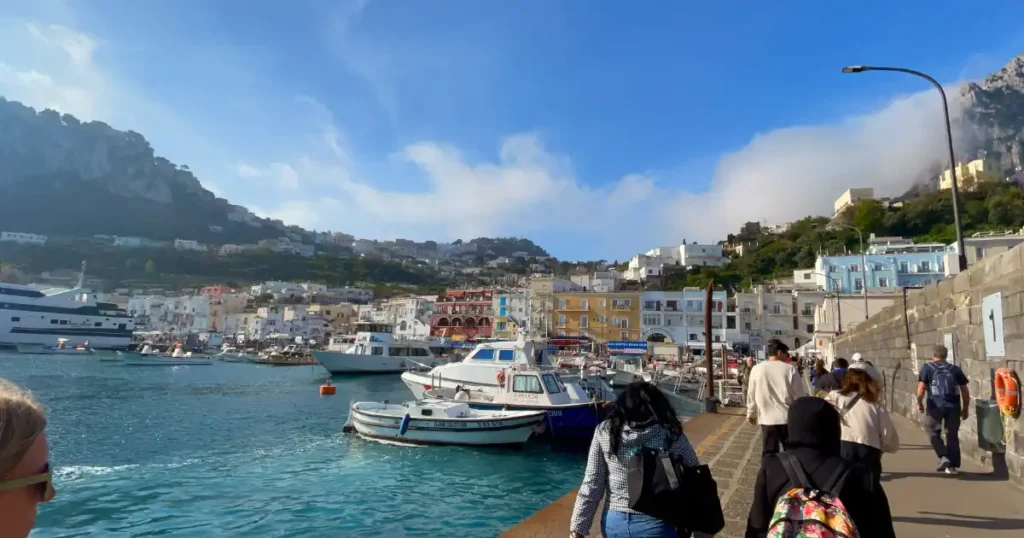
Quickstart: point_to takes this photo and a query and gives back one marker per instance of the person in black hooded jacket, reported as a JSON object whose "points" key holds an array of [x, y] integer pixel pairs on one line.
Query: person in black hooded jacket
{"points": [[814, 438]]}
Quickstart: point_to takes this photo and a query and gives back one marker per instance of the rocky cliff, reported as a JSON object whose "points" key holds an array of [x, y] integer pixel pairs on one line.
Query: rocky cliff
{"points": [[62, 176], [994, 109]]}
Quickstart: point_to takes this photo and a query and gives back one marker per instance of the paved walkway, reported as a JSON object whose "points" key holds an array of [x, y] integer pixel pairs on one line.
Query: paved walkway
{"points": [[924, 503]]}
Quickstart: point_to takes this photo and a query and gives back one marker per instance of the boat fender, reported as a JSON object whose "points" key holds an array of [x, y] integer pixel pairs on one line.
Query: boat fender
{"points": [[404, 427], [501, 378]]}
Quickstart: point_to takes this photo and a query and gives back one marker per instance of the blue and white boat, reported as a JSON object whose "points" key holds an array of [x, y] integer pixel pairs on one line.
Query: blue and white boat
{"points": [[513, 376], [443, 423]]}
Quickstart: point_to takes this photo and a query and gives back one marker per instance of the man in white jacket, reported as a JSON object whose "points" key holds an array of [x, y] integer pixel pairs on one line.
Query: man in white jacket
{"points": [[773, 385]]}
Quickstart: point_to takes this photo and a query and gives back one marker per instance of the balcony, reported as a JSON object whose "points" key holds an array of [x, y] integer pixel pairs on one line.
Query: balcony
{"points": [[622, 307], [807, 312]]}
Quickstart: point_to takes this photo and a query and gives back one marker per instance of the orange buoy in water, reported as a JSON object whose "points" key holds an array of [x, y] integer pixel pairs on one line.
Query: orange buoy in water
{"points": [[327, 388]]}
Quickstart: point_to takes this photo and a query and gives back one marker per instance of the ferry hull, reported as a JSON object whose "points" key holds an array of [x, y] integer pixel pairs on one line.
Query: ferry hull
{"points": [[489, 432]]}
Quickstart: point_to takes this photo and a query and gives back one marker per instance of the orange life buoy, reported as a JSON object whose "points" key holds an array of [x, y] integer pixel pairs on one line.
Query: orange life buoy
{"points": [[1007, 386], [501, 378]]}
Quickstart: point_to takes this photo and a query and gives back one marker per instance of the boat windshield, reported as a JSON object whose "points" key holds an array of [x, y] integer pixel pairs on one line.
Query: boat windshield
{"points": [[551, 384]]}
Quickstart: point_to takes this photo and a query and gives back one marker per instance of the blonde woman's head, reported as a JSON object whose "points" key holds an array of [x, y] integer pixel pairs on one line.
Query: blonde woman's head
{"points": [[24, 460]]}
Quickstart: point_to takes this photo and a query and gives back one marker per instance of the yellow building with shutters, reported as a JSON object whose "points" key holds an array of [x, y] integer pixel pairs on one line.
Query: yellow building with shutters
{"points": [[970, 174], [603, 317]]}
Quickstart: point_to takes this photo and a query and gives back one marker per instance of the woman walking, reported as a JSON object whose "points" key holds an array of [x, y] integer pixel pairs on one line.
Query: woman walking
{"points": [[868, 431], [641, 417], [25, 479]]}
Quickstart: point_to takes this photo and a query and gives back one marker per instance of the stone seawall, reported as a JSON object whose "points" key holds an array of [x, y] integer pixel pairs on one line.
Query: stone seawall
{"points": [[899, 339]]}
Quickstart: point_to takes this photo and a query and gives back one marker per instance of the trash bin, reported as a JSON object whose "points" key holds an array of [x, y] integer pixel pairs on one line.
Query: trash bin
{"points": [[990, 426]]}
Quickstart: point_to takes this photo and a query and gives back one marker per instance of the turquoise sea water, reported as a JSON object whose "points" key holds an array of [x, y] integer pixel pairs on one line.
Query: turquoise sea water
{"points": [[247, 450]]}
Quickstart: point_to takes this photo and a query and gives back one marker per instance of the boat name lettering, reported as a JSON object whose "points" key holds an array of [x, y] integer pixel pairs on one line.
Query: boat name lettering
{"points": [[459, 424]]}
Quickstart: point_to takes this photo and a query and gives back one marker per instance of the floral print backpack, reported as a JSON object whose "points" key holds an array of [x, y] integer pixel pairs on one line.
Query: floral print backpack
{"points": [[810, 512]]}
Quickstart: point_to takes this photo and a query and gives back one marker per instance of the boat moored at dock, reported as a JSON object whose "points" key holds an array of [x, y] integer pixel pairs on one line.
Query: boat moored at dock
{"points": [[376, 351], [62, 348], [443, 423]]}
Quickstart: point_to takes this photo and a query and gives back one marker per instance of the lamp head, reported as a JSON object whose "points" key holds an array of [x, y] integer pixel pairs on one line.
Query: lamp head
{"points": [[854, 69]]}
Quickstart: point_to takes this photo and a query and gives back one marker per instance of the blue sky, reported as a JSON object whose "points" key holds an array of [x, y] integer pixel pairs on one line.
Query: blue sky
{"points": [[597, 128]]}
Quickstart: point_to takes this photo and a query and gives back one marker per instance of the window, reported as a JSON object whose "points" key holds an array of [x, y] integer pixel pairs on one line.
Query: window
{"points": [[584, 322], [624, 335], [561, 321], [484, 354], [651, 320], [809, 328], [53, 322], [623, 323], [600, 319], [584, 304], [746, 325], [979, 253], [420, 352], [926, 267], [551, 384], [807, 276], [777, 332], [878, 267], [621, 304], [717, 338], [399, 352], [692, 337], [883, 282], [506, 354], [808, 309], [97, 324], [854, 267], [562, 304], [15, 318], [604, 303], [376, 350], [672, 306], [858, 284], [730, 322], [526, 383], [501, 325], [904, 267], [649, 305], [777, 309]]}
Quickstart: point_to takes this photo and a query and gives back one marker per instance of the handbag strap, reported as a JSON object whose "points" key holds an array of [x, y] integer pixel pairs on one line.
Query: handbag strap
{"points": [[849, 405]]}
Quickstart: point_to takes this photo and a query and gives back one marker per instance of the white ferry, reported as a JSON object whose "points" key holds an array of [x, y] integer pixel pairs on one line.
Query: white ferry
{"points": [[31, 317], [375, 350]]}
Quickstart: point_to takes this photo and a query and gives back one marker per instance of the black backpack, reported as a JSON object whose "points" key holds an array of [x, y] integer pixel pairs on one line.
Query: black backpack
{"points": [[662, 486]]}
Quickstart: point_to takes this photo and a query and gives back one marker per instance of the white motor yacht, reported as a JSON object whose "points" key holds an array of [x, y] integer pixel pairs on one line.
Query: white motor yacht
{"points": [[376, 351]]}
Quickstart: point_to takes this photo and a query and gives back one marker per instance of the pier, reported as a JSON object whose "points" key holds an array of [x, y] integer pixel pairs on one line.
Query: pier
{"points": [[979, 503]]}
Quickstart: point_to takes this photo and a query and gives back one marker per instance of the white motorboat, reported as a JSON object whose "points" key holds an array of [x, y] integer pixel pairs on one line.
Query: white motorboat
{"points": [[62, 348], [233, 354], [626, 369], [376, 351], [443, 423], [479, 370], [572, 411]]}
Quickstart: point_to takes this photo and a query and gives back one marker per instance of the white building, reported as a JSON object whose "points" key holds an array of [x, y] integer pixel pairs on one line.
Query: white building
{"points": [[188, 244], [350, 294], [409, 315], [696, 255], [599, 281], [23, 238], [128, 242], [227, 250], [183, 315], [678, 317], [850, 197], [277, 288], [784, 314], [983, 245]]}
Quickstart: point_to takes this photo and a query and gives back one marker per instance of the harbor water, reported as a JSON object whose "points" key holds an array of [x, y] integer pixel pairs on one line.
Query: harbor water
{"points": [[237, 449]]}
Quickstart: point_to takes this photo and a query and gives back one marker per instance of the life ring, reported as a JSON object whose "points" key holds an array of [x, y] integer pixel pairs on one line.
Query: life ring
{"points": [[501, 378], [1007, 386]]}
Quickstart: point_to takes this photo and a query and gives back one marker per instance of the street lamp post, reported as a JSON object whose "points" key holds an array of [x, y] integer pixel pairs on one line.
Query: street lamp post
{"points": [[961, 253], [864, 265]]}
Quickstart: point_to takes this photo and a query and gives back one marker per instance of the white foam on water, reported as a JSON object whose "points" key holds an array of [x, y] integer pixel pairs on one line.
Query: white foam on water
{"points": [[388, 441], [73, 472]]}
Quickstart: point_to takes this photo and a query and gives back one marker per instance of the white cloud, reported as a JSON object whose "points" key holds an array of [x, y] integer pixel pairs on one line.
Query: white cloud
{"points": [[281, 173], [246, 170]]}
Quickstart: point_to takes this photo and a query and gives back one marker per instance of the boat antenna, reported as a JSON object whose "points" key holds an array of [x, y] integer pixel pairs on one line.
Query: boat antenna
{"points": [[81, 276]]}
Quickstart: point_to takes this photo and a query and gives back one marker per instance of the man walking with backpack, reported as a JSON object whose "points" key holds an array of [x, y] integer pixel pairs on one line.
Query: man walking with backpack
{"points": [[948, 402]]}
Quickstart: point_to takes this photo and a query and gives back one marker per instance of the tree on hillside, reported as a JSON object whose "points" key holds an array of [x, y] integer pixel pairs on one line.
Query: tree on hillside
{"points": [[150, 267], [869, 216]]}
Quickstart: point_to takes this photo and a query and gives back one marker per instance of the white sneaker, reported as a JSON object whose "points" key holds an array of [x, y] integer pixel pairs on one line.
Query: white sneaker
{"points": [[952, 470], [943, 464]]}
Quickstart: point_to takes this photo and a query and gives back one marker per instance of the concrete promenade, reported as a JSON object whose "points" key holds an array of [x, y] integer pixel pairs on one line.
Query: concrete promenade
{"points": [[924, 503]]}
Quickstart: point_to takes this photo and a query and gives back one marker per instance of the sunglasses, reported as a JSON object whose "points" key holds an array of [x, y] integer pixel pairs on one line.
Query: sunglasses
{"points": [[42, 482]]}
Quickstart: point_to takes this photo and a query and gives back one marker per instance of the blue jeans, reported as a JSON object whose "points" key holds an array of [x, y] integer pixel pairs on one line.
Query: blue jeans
{"points": [[626, 525]]}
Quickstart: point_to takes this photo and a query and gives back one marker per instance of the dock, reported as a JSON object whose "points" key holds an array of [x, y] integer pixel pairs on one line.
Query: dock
{"points": [[978, 503]]}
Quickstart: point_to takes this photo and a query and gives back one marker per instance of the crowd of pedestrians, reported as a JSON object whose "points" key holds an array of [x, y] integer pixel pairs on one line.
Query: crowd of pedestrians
{"points": [[821, 454]]}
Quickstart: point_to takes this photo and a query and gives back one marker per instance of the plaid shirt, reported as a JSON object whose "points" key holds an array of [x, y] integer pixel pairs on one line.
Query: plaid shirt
{"points": [[606, 473]]}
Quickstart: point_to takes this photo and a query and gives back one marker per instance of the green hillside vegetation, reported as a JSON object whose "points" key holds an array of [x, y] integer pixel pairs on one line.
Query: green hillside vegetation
{"points": [[121, 267], [927, 218]]}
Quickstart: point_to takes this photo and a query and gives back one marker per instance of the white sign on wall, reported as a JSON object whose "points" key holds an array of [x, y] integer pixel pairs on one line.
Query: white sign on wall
{"points": [[947, 340], [992, 322]]}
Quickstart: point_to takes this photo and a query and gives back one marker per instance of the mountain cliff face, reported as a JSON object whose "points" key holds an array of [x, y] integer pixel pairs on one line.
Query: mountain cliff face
{"points": [[62, 176], [994, 108]]}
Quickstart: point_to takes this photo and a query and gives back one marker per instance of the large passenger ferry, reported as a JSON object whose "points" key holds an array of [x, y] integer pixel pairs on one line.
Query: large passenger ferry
{"points": [[32, 317]]}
